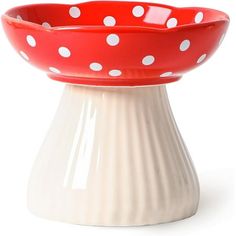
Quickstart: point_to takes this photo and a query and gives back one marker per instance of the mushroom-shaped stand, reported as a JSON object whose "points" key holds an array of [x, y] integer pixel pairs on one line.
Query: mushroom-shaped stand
{"points": [[113, 155]]}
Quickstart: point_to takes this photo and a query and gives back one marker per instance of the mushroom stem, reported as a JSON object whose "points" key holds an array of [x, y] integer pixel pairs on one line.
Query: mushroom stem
{"points": [[113, 157]]}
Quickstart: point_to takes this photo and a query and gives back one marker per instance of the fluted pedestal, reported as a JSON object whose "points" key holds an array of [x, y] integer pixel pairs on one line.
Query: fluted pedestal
{"points": [[112, 157]]}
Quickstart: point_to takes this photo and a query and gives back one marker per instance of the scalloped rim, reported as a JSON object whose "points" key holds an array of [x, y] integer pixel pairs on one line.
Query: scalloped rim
{"points": [[224, 18]]}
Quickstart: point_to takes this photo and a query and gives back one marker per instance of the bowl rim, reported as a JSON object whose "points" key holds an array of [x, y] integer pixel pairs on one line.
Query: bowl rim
{"points": [[104, 29]]}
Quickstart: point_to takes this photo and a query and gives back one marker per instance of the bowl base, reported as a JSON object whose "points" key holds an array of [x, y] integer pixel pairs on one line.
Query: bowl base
{"points": [[113, 157], [114, 81], [110, 224]]}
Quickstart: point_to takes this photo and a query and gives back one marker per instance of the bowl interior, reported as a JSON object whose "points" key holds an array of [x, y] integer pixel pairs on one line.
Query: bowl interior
{"points": [[114, 14]]}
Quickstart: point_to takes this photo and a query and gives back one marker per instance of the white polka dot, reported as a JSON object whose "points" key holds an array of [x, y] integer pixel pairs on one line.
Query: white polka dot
{"points": [[75, 12], [222, 39], [18, 17], [109, 21], [148, 60], [46, 25], [199, 17], [24, 55], [113, 39], [95, 66], [166, 74], [54, 70], [201, 58], [172, 22], [115, 73], [31, 40], [138, 11], [64, 52], [184, 46]]}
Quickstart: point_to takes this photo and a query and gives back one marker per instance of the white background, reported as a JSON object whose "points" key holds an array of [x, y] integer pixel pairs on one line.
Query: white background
{"points": [[204, 104]]}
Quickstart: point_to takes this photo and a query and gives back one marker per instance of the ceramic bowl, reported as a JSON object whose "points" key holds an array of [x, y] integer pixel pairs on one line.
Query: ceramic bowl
{"points": [[115, 43], [114, 156]]}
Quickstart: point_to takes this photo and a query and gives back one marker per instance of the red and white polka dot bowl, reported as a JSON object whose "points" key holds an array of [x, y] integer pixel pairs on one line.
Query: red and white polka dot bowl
{"points": [[115, 43], [113, 155]]}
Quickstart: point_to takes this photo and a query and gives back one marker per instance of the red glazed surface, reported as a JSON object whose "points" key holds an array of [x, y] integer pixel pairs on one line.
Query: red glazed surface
{"points": [[115, 43]]}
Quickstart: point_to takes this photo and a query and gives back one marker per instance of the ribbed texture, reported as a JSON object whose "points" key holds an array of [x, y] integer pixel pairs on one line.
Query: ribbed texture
{"points": [[113, 156]]}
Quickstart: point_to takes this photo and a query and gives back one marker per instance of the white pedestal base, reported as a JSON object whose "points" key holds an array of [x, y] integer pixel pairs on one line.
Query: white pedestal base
{"points": [[113, 157]]}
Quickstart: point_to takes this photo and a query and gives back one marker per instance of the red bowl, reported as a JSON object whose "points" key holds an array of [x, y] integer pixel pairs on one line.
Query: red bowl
{"points": [[115, 43]]}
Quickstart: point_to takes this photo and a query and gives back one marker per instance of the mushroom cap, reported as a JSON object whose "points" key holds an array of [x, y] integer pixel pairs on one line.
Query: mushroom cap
{"points": [[115, 43]]}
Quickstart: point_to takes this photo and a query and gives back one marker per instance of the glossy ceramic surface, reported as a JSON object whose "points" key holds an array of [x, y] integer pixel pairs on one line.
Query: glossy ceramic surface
{"points": [[115, 43], [117, 160]]}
